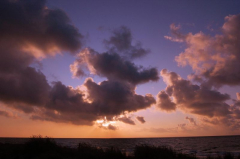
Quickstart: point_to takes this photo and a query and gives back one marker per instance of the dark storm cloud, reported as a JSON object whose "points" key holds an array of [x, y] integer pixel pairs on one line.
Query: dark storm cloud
{"points": [[112, 66], [214, 58], [29, 23], [126, 120], [28, 31], [121, 42], [114, 97], [140, 119], [27, 85], [109, 98], [196, 99]]}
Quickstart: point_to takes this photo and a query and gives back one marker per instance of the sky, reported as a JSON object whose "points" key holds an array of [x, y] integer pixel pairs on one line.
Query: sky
{"points": [[119, 69]]}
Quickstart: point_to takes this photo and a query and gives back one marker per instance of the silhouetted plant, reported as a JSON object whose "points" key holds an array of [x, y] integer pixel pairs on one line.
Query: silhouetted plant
{"points": [[225, 156], [114, 153], [152, 152], [228, 156]]}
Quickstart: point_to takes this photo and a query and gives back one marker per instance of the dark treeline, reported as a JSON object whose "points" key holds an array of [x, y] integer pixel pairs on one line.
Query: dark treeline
{"points": [[46, 148]]}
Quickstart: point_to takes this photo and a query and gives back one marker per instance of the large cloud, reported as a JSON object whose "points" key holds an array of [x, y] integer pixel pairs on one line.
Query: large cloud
{"points": [[208, 104], [31, 26], [114, 97], [29, 30], [193, 98], [107, 99], [112, 66], [25, 86], [215, 58]]}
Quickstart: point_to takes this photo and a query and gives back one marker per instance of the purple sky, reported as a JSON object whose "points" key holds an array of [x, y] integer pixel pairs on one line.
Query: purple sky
{"points": [[157, 68]]}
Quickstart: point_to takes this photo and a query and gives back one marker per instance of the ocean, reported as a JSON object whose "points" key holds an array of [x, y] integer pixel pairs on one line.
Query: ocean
{"points": [[199, 146]]}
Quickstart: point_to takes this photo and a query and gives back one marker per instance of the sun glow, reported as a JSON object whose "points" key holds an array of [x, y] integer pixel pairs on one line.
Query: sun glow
{"points": [[104, 122]]}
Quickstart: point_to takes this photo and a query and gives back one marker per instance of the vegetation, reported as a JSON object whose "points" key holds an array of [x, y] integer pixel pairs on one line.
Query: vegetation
{"points": [[46, 148]]}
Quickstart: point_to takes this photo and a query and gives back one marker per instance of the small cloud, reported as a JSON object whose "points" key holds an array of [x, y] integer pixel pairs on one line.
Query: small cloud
{"points": [[7, 114], [141, 119], [111, 127], [182, 126], [191, 120], [126, 120], [121, 42], [173, 39]]}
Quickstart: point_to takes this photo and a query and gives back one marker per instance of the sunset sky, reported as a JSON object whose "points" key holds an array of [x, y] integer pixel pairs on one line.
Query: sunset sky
{"points": [[119, 68]]}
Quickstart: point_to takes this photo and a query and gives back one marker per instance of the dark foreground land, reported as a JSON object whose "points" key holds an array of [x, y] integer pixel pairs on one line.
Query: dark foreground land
{"points": [[46, 148]]}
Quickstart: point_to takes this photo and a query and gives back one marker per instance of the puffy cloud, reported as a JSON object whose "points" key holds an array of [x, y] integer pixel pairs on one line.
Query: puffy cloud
{"points": [[121, 42], [141, 119], [126, 120], [164, 102], [112, 66], [32, 27], [107, 99], [114, 97], [25, 86], [29, 30], [65, 104], [191, 120], [231, 120], [196, 99], [215, 58]]}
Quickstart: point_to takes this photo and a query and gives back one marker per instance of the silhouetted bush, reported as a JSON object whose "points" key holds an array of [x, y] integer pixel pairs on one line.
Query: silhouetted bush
{"points": [[225, 156], [87, 151], [114, 153], [152, 152]]}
